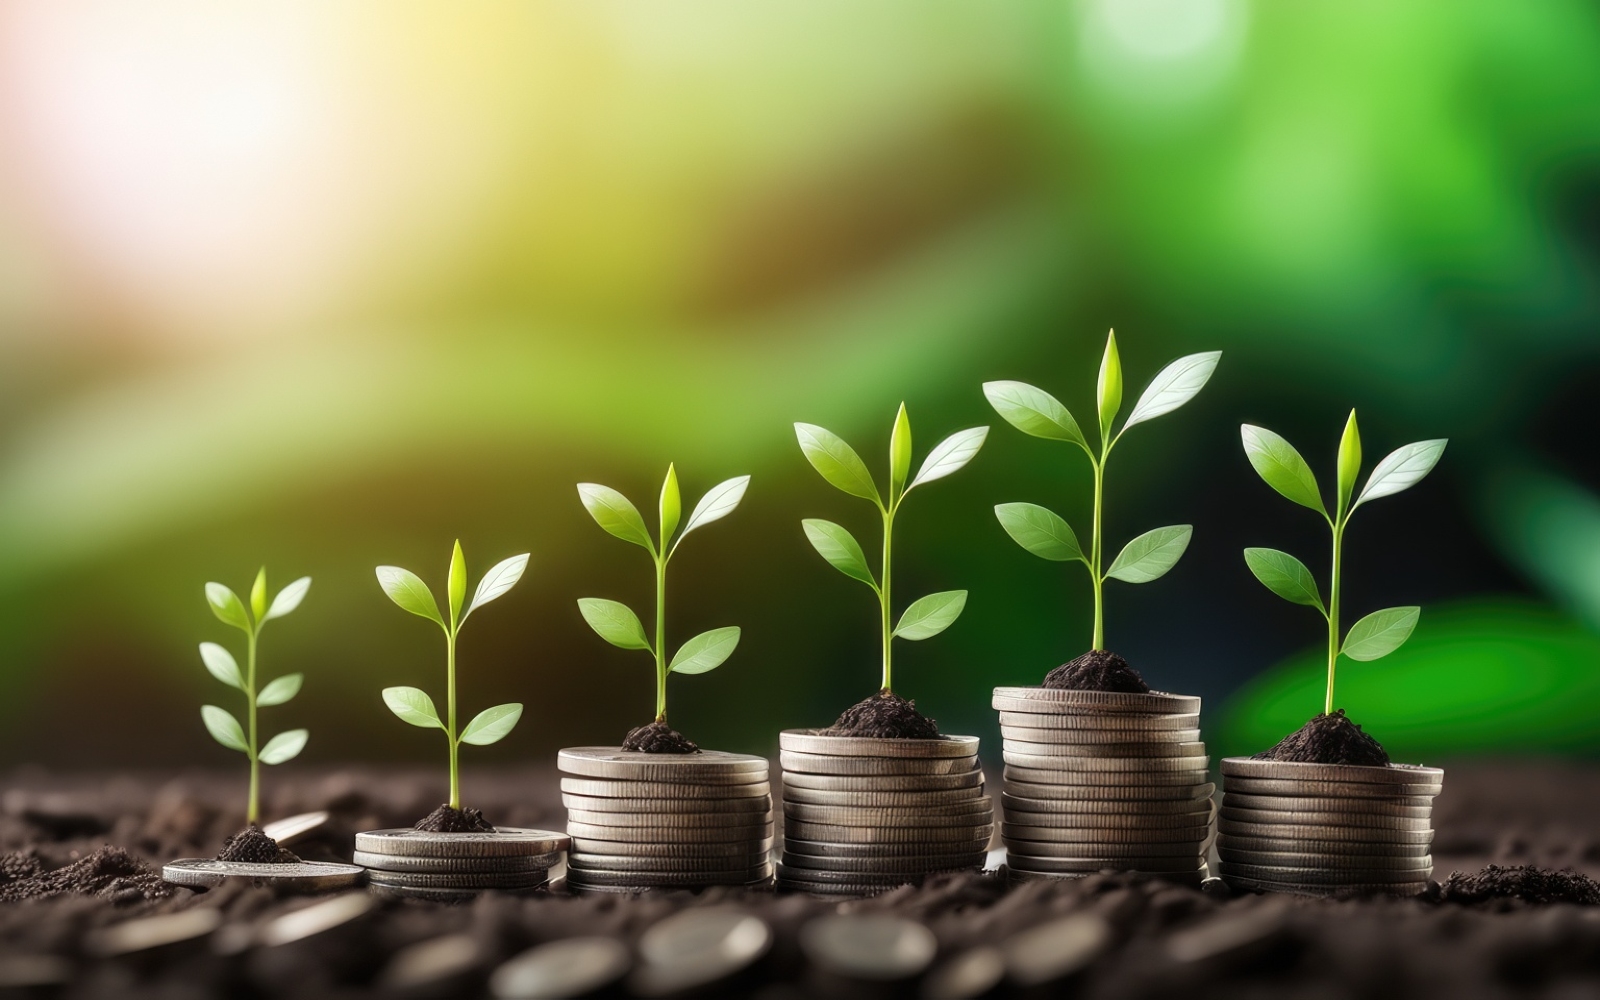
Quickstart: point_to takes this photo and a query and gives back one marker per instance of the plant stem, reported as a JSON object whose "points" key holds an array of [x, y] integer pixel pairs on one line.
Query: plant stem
{"points": [[661, 638], [883, 595], [1333, 610], [450, 730], [252, 813], [1095, 545]]}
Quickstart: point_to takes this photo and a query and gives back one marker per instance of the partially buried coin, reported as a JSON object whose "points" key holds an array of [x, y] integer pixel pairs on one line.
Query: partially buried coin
{"points": [[692, 949], [872, 947], [304, 876], [569, 968]]}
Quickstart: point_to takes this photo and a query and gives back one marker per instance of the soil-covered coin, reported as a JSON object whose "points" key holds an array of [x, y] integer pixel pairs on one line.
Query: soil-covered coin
{"points": [[300, 876]]}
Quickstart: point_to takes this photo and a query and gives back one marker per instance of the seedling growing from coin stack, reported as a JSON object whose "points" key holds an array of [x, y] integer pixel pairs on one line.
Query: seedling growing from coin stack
{"points": [[413, 705], [616, 623], [1047, 535]]}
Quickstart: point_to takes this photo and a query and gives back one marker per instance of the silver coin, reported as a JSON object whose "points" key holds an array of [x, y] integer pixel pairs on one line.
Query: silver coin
{"points": [[1039, 699], [702, 766], [1283, 831], [970, 778], [1110, 851], [1366, 888], [976, 811], [1325, 876], [814, 876], [304, 876], [810, 796], [1049, 952], [656, 880], [621, 863], [1118, 765], [976, 972], [813, 741], [436, 962], [459, 880], [962, 832], [833, 892], [691, 949], [318, 918], [1295, 845], [568, 968], [592, 846], [1194, 880], [1095, 738], [1131, 722], [452, 895], [687, 822], [1088, 866], [1412, 807], [1077, 807], [1113, 821], [1334, 789], [667, 807], [1104, 751], [292, 828], [657, 835], [872, 947], [144, 933], [1326, 862], [502, 842], [1120, 835], [1283, 817], [915, 863], [1088, 794], [874, 767], [447, 866], [603, 788], [891, 853], [1287, 770], [1101, 778], [583, 889]]}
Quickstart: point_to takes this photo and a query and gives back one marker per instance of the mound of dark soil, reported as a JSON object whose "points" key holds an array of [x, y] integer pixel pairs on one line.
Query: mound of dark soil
{"points": [[110, 873], [1525, 882], [1096, 670], [1329, 739], [658, 737], [251, 845], [448, 819], [885, 715]]}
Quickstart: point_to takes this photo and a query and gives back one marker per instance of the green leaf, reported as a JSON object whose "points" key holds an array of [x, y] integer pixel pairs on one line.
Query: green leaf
{"points": [[1033, 411], [412, 705], [492, 724], [406, 589], [705, 651], [719, 501], [951, 455], [670, 506], [1281, 467], [284, 746], [502, 576], [1349, 460], [839, 548], [1151, 555], [899, 454], [928, 616], [1285, 576], [258, 594], [224, 728], [1040, 531], [456, 582], [281, 690], [836, 461], [1402, 469], [222, 665], [614, 622], [288, 599], [615, 513], [1173, 386], [1380, 633], [225, 604], [1108, 389]]}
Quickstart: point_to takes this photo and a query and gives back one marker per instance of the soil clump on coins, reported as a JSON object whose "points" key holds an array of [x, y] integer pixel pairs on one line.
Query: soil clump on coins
{"points": [[253, 846], [658, 737], [1528, 883], [1329, 739], [447, 819], [1097, 670], [110, 873], [885, 715]]}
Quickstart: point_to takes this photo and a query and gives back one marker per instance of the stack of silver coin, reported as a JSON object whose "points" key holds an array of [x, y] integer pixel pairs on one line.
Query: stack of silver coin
{"points": [[861, 816], [457, 866], [665, 821], [1103, 780], [1320, 829]]}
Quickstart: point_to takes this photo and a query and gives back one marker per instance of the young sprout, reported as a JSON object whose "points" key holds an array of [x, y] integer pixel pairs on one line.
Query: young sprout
{"points": [[1277, 462], [1043, 532], [413, 705], [224, 728], [842, 467], [615, 622]]}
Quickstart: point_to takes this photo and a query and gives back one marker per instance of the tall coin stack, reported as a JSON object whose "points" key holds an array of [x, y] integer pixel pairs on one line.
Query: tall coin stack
{"points": [[660, 820], [1098, 780], [1319, 829], [863, 815], [458, 866]]}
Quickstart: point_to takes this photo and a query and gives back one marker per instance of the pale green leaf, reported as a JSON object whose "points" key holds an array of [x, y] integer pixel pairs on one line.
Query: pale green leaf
{"points": [[839, 548], [281, 690], [899, 454], [705, 651], [288, 599], [1281, 467], [502, 576], [1402, 469], [406, 589], [719, 501], [1380, 633], [928, 616], [1285, 576], [222, 665], [258, 594], [1349, 466], [225, 604], [837, 462], [492, 724], [1151, 555], [412, 705], [670, 505], [284, 746], [224, 728], [1174, 386], [1033, 411], [951, 455], [614, 622], [456, 582], [1040, 531], [615, 513], [1108, 388]]}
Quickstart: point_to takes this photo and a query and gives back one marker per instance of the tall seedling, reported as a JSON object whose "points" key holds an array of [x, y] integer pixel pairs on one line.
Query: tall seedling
{"points": [[841, 466], [615, 622], [1043, 532], [222, 725], [1280, 465], [413, 705]]}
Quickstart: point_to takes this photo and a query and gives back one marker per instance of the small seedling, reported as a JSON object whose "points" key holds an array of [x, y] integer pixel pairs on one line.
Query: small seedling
{"points": [[222, 725], [1277, 462], [615, 622], [843, 468], [1045, 533], [413, 705]]}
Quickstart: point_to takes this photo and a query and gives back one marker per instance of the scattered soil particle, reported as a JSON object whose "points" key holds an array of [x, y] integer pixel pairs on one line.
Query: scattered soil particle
{"points": [[658, 737], [253, 846], [447, 819], [885, 715], [20, 865], [110, 872], [1525, 882], [1329, 739], [1097, 670]]}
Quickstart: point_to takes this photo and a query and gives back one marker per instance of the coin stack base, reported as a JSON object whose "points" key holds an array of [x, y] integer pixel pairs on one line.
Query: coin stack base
{"points": [[1103, 781], [1326, 829], [455, 867], [863, 816], [642, 821]]}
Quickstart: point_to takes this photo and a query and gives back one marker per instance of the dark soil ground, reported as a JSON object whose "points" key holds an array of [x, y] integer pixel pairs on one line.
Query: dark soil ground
{"points": [[884, 715], [1096, 670], [253, 846], [658, 737], [1165, 941], [1329, 739]]}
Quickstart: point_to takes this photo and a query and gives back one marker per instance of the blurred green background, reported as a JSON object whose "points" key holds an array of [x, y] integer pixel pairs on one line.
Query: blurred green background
{"points": [[328, 286]]}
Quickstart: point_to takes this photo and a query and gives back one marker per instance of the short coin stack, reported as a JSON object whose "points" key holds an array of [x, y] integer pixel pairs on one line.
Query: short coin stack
{"points": [[1319, 829], [458, 866], [863, 815], [665, 821], [1099, 780]]}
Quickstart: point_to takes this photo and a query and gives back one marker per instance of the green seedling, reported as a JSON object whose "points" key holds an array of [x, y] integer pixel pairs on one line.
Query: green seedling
{"points": [[615, 622], [1045, 533], [843, 468], [413, 705], [1277, 462], [221, 723]]}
